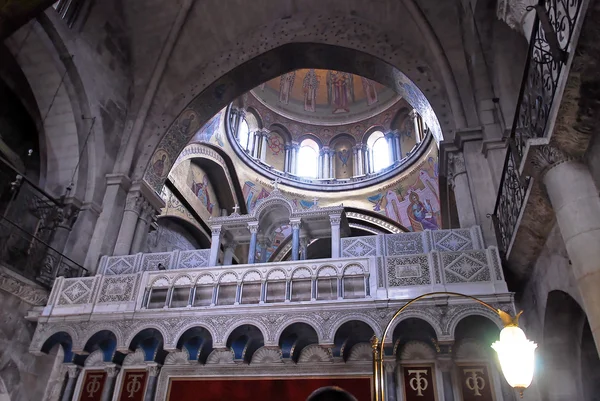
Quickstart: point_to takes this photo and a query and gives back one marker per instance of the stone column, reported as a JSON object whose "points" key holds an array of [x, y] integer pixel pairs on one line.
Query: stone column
{"points": [[367, 161], [264, 245], [295, 223], [106, 231], [417, 125], [263, 146], [109, 385], [143, 226], [360, 163], [294, 151], [354, 161], [73, 373], [389, 370], [326, 169], [446, 365], [320, 168], [457, 177], [153, 372], [131, 214], [303, 247], [389, 137], [229, 252], [215, 243], [286, 164], [332, 163], [397, 145], [575, 200], [253, 227], [335, 220]]}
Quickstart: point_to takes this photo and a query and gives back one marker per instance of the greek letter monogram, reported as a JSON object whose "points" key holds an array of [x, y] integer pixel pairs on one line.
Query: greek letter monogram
{"points": [[474, 381], [93, 384], [134, 384], [418, 383]]}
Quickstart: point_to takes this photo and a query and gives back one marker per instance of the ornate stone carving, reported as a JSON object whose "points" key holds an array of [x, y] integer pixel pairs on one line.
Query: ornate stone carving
{"points": [[335, 219], [545, 157], [407, 270], [73, 370], [314, 353], [96, 358], [359, 246], [220, 357], [135, 358], [466, 267], [112, 370], [417, 350], [153, 370], [134, 202], [405, 244], [178, 358], [513, 12], [361, 352], [22, 288], [470, 349], [118, 288], [68, 215], [76, 291], [265, 355]]}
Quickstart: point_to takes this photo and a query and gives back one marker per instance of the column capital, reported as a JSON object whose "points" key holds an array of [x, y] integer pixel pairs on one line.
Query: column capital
{"points": [[413, 114], [389, 365], [546, 157], [153, 369], [335, 219], [134, 202], [216, 230], [295, 223], [112, 370], [253, 227], [68, 215], [456, 164], [72, 370]]}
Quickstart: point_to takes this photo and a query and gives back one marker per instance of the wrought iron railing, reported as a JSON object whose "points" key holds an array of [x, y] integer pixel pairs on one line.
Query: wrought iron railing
{"points": [[29, 218], [33, 258], [554, 25]]}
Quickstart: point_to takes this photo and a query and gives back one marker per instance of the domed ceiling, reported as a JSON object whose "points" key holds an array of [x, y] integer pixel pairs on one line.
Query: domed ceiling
{"points": [[325, 97]]}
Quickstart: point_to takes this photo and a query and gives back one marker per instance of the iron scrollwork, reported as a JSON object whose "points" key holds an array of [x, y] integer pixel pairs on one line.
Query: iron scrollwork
{"points": [[545, 64]]}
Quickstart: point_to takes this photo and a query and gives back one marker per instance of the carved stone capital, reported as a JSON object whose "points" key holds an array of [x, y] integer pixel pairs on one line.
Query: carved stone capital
{"points": [[253, 227], [153, 370], [295, 224], [216, 230], [543, 158], [513, 12], [134, 202], [335, 219], [67, 216], [112, 370], [456, 164], [72, 370]]}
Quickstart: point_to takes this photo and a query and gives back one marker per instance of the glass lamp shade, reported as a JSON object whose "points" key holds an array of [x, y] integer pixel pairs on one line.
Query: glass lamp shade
{"points": [[515, 353]]}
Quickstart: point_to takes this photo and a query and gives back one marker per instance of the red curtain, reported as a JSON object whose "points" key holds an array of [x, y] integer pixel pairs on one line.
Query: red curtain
{"points": [[296, 389]]}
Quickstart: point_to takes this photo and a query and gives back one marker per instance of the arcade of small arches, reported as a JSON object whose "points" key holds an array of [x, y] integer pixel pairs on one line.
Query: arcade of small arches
{"points": [[312, 158], [297, 341]]}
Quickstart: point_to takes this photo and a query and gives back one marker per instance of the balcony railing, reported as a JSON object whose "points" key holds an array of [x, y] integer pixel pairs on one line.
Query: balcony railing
{"points": [[378, 267], [28, 221], [551, 39]]}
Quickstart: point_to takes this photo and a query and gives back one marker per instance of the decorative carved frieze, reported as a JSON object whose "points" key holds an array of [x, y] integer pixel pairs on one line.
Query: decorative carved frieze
{"points": [[22, 288]]}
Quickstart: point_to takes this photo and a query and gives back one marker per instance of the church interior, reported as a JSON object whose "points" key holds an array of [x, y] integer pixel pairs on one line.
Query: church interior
{"points": [[299, 200]]}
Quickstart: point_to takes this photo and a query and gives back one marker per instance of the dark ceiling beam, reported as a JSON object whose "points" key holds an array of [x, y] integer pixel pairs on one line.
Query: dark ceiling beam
{"points": [[16, 13]]}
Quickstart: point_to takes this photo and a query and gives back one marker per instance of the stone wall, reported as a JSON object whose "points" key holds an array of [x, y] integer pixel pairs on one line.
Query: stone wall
{"points": [[170, 236], [24, 375]]}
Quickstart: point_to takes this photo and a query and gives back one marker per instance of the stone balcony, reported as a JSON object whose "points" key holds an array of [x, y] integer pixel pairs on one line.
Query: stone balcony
{"points": [[374, 272]]}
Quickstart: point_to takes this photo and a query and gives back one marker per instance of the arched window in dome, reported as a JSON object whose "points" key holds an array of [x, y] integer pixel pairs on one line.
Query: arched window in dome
{"points": [[379, 151], [243, 134], [308, 159]]}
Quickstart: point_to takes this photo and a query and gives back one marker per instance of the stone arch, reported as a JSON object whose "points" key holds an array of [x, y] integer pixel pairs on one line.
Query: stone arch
{"points": [[62, 336], [414, 314], [140, 329], [64, 132], [116, 332], [476, 310], [417, 350], [283, 131], [256, 116], [267, 335], [311, 52], [358, 317], [266, 204], [271, 275], [311, 136], [180, 332], [187, 222], [231, 276], [255, 271], [207, 274], [157, 280], [327, 271], [342, 136], [219, 167], [298, 319], [196, 339], [296, 272]]}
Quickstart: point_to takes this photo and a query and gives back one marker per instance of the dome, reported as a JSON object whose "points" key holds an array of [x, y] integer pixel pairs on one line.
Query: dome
{"points": [[325, 97]]}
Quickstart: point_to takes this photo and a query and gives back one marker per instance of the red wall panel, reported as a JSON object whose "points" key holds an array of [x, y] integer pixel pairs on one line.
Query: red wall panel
{"points": [[284, 389]]}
